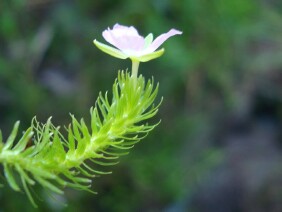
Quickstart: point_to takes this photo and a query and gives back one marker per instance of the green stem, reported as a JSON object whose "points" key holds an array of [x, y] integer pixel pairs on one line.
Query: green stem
{"points": [[54, 161], [135, 65]]}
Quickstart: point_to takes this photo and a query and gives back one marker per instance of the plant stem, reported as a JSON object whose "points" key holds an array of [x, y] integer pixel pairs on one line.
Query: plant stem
{"points": [[135, 65]]}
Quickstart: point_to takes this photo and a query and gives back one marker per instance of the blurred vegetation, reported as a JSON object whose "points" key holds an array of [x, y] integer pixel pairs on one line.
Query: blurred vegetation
{"points": [[222, 75]]}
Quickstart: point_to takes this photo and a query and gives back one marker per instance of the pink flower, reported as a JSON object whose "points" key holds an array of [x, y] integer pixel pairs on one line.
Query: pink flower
{"points": [[129, 44]]}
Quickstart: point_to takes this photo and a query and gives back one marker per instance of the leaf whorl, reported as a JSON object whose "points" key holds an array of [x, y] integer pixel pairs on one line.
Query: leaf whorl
{"points": [[56, 161]]}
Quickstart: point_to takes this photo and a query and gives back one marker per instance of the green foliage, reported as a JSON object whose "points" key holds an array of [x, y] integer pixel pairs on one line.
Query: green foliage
{"points": [[46, 157], [229, 50]]}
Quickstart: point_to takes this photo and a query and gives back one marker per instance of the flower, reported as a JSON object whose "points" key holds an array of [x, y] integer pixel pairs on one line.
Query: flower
{"points": [[129, 44]]}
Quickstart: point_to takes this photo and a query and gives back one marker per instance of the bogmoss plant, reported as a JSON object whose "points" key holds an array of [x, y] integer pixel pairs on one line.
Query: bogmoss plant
{"points": [[43, 155]]}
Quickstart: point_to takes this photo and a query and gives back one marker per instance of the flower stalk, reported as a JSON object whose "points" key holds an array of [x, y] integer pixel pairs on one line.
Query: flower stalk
{"points": [[134, 71]]}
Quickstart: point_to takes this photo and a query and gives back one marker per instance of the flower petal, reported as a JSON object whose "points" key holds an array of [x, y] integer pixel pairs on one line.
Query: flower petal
{"points": [[110, 50], [108, 36], [125, 29], [124, 38], [162, 38], [150, 56]]}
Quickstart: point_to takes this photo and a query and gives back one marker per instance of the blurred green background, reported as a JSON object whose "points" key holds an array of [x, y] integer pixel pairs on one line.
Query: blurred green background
{"points": [[219, 145]]}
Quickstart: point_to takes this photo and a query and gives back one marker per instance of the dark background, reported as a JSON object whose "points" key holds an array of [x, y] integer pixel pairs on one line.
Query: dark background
{"points": [[218, 147]]}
